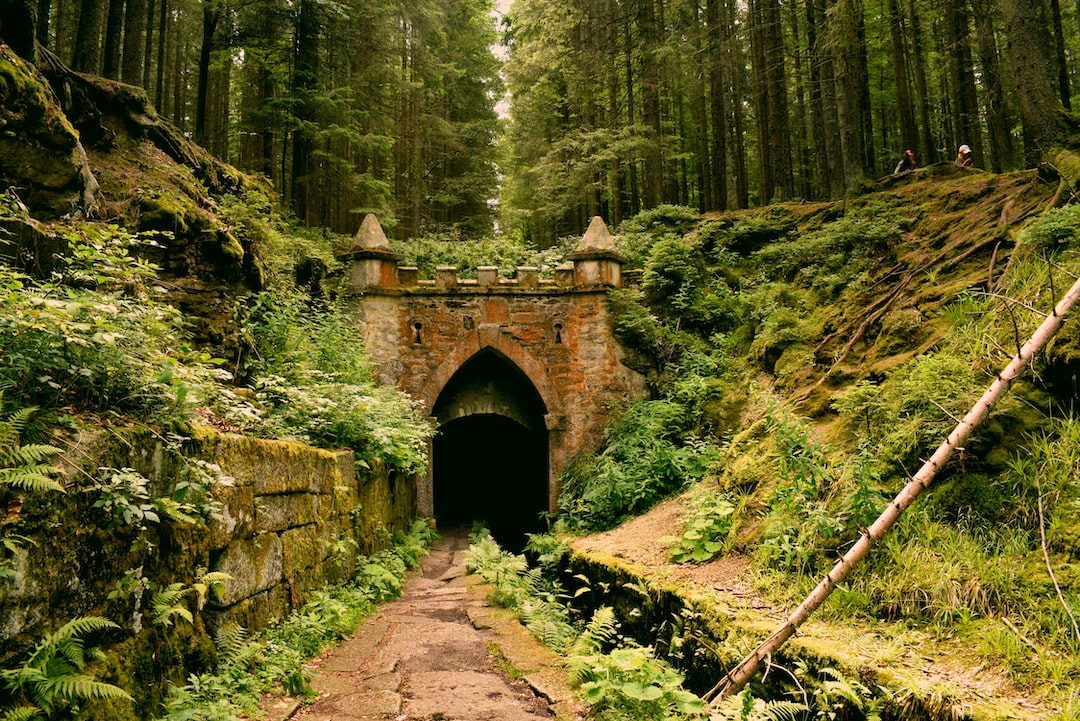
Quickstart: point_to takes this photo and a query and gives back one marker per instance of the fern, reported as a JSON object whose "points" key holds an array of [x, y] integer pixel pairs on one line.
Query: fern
{"points": [[21, 713], [52, 677], [743, 706], [173, 510], [169, 602], [25, 466], [210, 584], [601, 631], [231, 641]]}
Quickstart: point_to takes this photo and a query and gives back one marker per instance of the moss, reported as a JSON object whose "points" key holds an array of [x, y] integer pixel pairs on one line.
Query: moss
{"points": [[161, 212]]}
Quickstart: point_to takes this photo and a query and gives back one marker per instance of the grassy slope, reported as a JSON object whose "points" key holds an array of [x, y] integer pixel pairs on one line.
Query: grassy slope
{"points": [[960, 231]]}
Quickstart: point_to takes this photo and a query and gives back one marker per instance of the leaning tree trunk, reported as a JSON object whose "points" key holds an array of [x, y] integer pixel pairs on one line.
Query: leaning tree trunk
{"points": [[738, 677]]}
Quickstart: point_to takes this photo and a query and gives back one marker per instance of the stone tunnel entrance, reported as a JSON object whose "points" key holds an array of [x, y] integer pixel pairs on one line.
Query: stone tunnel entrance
{"points": [[490, 456]]}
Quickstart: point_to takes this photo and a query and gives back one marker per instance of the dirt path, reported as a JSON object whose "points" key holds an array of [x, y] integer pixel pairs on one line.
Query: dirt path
{"points": [[440, 653]]}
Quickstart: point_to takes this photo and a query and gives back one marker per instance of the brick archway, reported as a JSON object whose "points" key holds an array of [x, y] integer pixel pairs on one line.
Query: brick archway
{"points": [[557, 333]]}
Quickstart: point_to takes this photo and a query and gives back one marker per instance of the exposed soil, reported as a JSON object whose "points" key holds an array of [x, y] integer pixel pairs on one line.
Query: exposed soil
{"points": [[440, 653]]}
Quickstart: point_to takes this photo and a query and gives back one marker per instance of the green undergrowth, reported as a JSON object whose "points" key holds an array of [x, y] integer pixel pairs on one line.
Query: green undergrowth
{"points": [[853, 339], [96, 337], [622, 680]]}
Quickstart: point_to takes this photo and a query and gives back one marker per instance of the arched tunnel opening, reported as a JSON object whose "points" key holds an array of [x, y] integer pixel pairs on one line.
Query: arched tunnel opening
{"points": [[490, 456]]}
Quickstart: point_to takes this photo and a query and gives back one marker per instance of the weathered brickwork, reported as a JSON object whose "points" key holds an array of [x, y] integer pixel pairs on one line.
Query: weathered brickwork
{"points": [[558, 334]]}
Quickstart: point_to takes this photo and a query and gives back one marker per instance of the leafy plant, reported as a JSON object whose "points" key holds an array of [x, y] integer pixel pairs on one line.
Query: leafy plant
{"points": [[704, 528], [53, 679], [173, 600], [633, 680], [646, 458], [25, 466]]}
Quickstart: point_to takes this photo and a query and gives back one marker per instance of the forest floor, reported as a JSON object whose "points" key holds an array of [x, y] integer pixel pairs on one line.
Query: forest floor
{"points": [[940, 670], [441, 652]]}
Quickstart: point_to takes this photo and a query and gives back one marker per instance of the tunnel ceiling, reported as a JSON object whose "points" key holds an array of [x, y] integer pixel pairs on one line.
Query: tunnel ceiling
{"points": [[490, 384]]}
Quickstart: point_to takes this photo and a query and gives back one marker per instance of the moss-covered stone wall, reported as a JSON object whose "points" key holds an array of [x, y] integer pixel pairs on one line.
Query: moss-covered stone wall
{"points": [[294, 519]]}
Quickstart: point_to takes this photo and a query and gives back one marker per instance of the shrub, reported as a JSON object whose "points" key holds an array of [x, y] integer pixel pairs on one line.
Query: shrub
{"points": [[645, 459]]}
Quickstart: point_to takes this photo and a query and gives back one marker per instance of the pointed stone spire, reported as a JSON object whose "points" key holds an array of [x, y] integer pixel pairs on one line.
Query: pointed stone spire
{"points": [[370, 235], [596, 238], [374, 263], [596, 262]]}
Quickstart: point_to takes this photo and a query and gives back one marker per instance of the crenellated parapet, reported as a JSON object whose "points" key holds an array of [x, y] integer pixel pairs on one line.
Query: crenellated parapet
{"points": [[374, 266]]}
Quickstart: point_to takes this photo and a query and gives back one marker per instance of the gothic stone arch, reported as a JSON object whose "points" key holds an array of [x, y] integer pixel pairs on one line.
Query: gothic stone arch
{"points": [[420, 333]]}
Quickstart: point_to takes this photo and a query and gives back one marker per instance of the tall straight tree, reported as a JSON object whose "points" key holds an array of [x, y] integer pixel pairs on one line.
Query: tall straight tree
{"points": [[87, 54], [1040, 106], [134, 50]]}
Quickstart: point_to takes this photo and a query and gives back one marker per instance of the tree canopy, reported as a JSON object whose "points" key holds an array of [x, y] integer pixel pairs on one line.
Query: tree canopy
{"points": [[390, 106]]}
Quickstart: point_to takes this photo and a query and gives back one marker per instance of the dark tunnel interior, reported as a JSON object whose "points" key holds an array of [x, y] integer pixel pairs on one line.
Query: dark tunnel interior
{"points": [[490, 456]]}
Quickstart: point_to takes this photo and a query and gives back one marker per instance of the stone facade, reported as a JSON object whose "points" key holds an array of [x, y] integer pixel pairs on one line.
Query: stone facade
{"points": [[557, 333]]}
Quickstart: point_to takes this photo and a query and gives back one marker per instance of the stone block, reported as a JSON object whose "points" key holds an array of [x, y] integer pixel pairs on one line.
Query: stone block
{"points": [[301, 548], [237, 515], [255, 565], [445, 276], [487, 275], [289, 510]]}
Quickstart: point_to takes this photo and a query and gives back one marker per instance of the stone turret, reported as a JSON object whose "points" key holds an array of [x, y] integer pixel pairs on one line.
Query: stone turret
{"points": [[596, 262], [373, 262]]}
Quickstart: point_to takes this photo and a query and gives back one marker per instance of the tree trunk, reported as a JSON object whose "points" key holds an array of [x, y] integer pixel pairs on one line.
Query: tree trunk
{"points": [[965, 105], [1040, 107], [650, 102], [824, 155], [1001, 148], [304, 80], [18, 19], [148, 46], [159, 83], [211, 16], [718, 94], [927, 152], [763, 114], [87, 56], [1064, 92], [44, 18], [845, 45], [114, 40], [737, 677], [908, 135], [134, 42]]}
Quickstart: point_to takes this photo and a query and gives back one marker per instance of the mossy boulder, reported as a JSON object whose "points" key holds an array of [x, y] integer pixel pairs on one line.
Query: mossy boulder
{"points": [[40, 152]]}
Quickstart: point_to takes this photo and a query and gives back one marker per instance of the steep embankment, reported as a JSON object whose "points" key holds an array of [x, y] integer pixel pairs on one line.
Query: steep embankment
{"points": [[855, 336]]}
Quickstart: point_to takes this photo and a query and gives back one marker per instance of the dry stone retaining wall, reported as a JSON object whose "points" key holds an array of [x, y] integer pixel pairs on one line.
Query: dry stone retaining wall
{"points": [[293, 520]]}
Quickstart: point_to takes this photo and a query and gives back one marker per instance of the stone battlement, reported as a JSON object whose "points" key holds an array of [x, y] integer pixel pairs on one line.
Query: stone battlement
{"points": [[375, 266]]}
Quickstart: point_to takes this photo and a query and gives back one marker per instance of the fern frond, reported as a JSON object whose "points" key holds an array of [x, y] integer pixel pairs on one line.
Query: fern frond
{"points": [[34, 453], [211, 584], [19, 419], [171, 602], [230, 640], [81, 686], [22, 713], [50, 644], [173, 511], [30, 478], [601, 630], [744, 707]]}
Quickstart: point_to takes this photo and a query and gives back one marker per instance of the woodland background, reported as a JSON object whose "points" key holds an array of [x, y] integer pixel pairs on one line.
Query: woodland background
{"points": [[390, 106]]}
